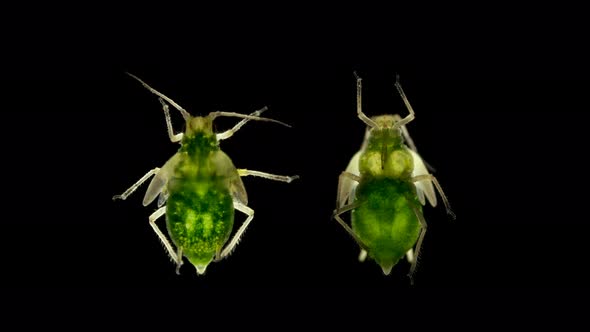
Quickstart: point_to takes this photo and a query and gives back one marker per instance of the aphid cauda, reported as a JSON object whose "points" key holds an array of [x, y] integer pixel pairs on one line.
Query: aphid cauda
{"points": [[201, 187], [384, 187]]}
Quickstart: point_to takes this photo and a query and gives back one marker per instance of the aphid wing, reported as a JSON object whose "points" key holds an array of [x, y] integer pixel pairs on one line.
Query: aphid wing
{"points": [[238, 191], [226, 168], [348, 186], [160, 180], [424, 187], [162, 197], [420, 194]]}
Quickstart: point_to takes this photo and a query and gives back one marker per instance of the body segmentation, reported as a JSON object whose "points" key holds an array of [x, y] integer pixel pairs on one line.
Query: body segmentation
{"points": [[199, 209], [201, 188], [385, 219], [384, 187]]}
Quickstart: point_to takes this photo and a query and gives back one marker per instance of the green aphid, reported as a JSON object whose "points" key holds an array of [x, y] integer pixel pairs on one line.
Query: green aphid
{"points": [[201, 188], [384, 186]]}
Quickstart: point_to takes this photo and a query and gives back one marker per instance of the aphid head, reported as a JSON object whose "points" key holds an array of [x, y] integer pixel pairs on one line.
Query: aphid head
{"points": [[386, 121], [198, 139], [384, 132], [199, 124]]}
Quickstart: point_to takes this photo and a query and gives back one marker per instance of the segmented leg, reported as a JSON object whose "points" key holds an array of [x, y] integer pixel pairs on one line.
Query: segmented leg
{"points": [[410, 116], [134, 187], [153, 217], [419, 243], [341, 208], [173, 137], [438, 187], [362, 255], [410, 256], [336, 215], [234, 241], [229, 133], [359, 106], [179, 260], [282, 178]]}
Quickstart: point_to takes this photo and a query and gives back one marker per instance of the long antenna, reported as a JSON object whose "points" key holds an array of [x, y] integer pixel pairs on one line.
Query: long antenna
{"points": [[213, 115], [410, 116], [359, 107], [184, 113]]}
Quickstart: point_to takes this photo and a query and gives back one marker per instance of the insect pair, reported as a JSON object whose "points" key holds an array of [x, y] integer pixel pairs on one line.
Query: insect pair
{"points": [[384, 186]]}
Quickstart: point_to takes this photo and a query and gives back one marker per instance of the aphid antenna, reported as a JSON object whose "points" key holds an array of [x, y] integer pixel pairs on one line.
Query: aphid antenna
{"points": [[213, 115], [361, 115], [410, 116], [186, 115]]}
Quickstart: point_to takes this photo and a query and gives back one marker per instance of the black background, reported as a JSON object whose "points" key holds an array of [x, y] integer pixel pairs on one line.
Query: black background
{"points": [[507, 152], [503, 124]]}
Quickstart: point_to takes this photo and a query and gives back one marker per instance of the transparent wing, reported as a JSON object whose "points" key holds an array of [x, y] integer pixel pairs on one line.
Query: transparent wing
{"points": [[159, 182], [162, 197], [348, 187], [226, 168], [237, 189], [424, 187]]}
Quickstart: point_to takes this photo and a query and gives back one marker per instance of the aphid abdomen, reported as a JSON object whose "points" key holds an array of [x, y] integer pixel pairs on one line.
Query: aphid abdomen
{"points": [[200, 217], [385, 221]]}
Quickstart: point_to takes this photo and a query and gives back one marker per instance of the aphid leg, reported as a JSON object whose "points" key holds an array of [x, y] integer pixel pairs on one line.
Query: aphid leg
{"points": [[359, 106], [410, 116], [410, 256], [419, 243], [234, 241], [178, 261], [341, 197], [153, 217], [173, 137], [229, 133], [282, 178], [134, 187], [336, 215], [438, 187], [362, 255]]}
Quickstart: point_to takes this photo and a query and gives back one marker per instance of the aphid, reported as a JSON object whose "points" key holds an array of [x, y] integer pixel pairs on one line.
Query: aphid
{"points": [[201, 188], [384, 187]]}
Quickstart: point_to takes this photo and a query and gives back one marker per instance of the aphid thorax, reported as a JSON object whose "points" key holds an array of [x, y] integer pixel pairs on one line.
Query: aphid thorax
{"points": [[383, 152]]}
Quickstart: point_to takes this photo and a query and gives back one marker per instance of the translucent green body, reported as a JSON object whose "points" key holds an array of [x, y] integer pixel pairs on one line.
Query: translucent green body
{"points": [[200, 188], [385, 220], [199, 216], [199, 210]]}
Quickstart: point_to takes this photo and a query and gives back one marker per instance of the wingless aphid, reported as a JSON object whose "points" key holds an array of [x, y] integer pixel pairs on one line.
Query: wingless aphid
{"points": [[201, 188], [384, 186]]}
